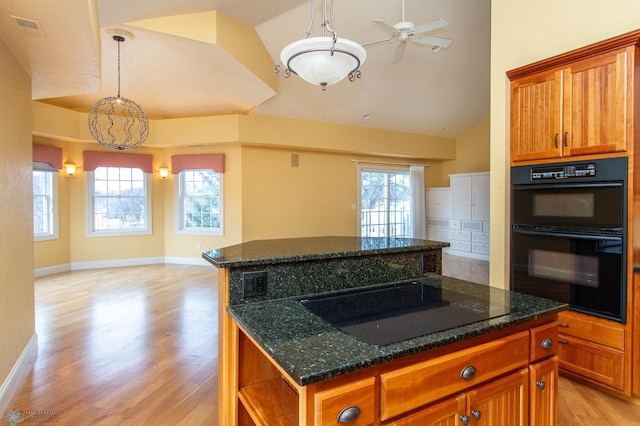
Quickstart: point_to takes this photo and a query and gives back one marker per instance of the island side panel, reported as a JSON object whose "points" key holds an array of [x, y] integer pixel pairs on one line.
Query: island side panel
{"points": [[228, 346]]}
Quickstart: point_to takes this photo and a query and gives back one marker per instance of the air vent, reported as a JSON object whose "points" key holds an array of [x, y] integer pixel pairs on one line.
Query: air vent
{"points": [[28, 26]]}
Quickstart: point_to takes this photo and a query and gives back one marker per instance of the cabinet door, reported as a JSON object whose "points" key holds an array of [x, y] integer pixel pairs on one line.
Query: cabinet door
{"points": [[501, 402], [461, 197], [536, 116], [446, 413], [438, 202], [480, 197], [543, 393], [596, 105]]}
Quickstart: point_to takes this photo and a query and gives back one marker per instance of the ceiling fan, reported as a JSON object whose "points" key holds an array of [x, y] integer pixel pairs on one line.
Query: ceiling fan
{"points": [[405, 31]]}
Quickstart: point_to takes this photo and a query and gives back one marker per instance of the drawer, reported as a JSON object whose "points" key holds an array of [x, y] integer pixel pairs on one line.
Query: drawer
{"points": [[596, 362], [544, 341], [455, 224], [410, 387], [438, 223], [461, 235], [359, 395], [459, 245], [480, 237], [486, 226], [473, 226], [480, 248], [587, 327]]}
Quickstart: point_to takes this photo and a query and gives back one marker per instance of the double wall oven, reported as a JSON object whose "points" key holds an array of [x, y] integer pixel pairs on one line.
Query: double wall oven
{"points": [[569, 234]]}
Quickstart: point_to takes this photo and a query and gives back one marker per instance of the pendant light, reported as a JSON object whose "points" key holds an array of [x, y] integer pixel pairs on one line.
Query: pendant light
{"points": [[116, 122], [322, 60]]}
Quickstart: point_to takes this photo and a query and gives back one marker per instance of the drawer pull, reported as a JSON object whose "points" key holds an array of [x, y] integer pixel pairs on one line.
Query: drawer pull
{"points": [[555, 140], [564, 342], [468, 372], [465, 420], [547, 343], [476, 414], [541, 385], [563, 324], [348, 415]]}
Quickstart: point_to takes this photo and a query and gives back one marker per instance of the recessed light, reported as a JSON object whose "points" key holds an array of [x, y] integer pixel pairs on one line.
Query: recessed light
{"points": [[445, 127], [366, 116]]}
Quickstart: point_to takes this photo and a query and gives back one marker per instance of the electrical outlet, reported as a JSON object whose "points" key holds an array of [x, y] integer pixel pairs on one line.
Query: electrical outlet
{"points": [[254, 284]]}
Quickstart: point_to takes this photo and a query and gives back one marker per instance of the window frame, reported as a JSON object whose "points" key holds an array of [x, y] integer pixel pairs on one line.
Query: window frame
{"points": [[52, 195], [90, 205], [380, 169], [179, 206]]}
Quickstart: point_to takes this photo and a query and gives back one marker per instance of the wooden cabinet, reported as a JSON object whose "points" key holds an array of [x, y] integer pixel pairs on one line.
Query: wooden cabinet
{"points": [[573, 105], [593, 348], [543, 388], [500, 381]]}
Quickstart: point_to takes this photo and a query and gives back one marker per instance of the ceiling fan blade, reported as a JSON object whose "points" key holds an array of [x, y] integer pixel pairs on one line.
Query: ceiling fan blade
{"points": [[399, 53], [373, 43], [433, 41], [430, 26], [384, 26]]}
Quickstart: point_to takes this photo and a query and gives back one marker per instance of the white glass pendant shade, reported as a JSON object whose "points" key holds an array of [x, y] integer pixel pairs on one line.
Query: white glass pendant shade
{"points": [[319, 61]]}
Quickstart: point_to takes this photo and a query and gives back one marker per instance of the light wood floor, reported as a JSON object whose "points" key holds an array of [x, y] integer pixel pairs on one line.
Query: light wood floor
{"points": [[138, 346]]}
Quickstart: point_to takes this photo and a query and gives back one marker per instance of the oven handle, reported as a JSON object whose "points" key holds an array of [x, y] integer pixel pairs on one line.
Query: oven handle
{"points": [[568, 235], [562, 184]]}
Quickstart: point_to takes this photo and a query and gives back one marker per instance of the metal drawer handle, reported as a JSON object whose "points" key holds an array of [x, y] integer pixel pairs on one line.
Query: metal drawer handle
{"points": [[555, 140], [541, 385], [465, 420], [349, 414], [563, 324], [564, 342], [468, 372], [547, 343], [564, 138]]}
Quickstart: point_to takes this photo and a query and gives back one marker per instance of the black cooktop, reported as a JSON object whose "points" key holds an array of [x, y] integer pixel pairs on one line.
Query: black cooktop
{"points": [[402, 311]]}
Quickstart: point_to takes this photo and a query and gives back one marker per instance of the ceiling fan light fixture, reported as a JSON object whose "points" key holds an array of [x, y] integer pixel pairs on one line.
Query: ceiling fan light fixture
{"points": [[322, 60]]}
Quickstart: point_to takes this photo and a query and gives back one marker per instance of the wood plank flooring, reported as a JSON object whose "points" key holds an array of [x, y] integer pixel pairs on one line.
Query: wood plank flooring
{"points": [[138, 346]]}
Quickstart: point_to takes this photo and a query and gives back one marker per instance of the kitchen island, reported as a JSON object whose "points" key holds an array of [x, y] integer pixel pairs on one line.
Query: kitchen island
{"points": [[279, 363]]}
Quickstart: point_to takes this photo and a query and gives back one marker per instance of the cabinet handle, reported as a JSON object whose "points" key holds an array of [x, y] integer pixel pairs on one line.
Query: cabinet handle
{"points": [[476, 414], [555, 140], [349, 414], [465, 420], [564, 342], [563, 324], [564, 138], [541, 385], [468, 372], [547, 343]]}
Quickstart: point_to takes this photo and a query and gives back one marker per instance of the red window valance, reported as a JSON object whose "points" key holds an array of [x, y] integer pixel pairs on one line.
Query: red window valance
{"points": [[95, 159], [197, 161], [48, 154]]}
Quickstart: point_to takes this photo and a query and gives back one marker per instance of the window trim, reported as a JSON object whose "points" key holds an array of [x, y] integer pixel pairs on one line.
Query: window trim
{"points": [[179, 211], [91, 232], [55, 225]]}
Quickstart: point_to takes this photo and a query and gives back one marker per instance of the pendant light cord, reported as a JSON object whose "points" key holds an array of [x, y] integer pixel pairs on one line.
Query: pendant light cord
{"points": [[119, 39]]}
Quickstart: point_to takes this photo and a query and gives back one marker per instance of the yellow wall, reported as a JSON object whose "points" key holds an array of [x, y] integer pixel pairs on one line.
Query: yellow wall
{"points": [[523, 32], [472, 153], [17, 321]]}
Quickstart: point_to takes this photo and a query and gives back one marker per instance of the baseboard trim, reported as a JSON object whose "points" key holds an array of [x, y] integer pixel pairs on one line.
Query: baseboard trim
{"points": [[18, 372], [117, 263]]}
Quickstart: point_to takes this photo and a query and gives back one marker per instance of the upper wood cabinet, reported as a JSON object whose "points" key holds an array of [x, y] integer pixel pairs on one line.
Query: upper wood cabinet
{"points": [[576, 104]]}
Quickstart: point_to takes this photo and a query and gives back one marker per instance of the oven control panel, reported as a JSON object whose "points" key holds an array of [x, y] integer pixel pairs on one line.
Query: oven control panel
{"points": [[563, 171]]}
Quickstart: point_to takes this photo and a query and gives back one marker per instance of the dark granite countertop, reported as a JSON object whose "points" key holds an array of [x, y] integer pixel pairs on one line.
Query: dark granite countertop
{"points": [[310, 350], [268, 252]]}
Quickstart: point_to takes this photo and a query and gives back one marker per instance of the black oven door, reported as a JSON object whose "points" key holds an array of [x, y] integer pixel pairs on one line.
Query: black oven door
{"points": [[585, 271]]}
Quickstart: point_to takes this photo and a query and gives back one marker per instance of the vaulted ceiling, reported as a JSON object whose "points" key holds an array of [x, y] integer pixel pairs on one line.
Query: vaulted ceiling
{"points": [[210, 57]]}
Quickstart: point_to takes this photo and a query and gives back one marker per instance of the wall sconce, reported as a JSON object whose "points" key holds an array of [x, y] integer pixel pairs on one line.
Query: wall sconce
{"points": [[70, 169], [164, 172]]}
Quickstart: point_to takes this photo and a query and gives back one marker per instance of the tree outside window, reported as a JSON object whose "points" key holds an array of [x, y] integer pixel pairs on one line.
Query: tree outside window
{"points": [[385, 203]]}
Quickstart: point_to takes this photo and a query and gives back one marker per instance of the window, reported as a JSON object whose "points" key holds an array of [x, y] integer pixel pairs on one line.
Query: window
{"points": [[200, 202], [45, 205], [385, 203], [119, 200]]}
